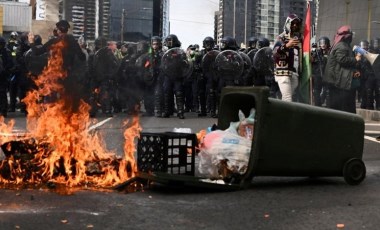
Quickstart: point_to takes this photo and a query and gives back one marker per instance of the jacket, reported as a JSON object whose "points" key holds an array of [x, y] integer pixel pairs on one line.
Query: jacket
{"points": [[340, 66]]}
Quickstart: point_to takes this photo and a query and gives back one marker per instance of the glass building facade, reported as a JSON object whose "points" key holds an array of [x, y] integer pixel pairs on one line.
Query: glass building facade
{"points": [[243, 19], [131, 20], [127, 20]]}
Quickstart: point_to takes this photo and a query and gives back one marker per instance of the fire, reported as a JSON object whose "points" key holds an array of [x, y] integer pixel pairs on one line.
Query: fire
{"points": [[200, 136], [59, 147]]}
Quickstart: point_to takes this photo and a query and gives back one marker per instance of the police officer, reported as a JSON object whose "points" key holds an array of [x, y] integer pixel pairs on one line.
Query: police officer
{"points": [[319, 56], [252, 47], [24, 82], [13, 45], [229, 73], [130, 84], [191, 82], [376, 45], [105, 66], [208, 81], [369, 82], [6, 66], [149, 69], [174, 84]]}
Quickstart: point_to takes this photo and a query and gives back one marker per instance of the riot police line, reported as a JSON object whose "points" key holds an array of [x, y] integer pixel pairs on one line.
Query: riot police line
{"points": [[159, 74]]}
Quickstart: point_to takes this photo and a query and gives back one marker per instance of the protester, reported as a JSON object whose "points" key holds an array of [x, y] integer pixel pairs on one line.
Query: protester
{"points": [[342, 72], [287, 56], [71, 54]]}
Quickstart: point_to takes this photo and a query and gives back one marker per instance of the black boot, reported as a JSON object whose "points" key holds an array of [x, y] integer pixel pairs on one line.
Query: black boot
{"points": [[167, 105], [212, 98], [202, 102], [369, 99], [158, 103], [180, 104]]}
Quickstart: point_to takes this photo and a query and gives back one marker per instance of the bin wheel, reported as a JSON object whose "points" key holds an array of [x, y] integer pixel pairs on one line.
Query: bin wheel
{"points": [[354, 171]]}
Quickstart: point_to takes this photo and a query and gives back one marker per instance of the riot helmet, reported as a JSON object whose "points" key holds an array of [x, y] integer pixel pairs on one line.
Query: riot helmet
{"points": [[14, 35], [172, 41], [100, 42], [228, 43], [156, 40], [252, 42], [82, 42], [2, 41], [376, 43], [262, 42], [364, 44], [324, 42], [37, 39], [142, 47], [208, 43], [62, 26]]}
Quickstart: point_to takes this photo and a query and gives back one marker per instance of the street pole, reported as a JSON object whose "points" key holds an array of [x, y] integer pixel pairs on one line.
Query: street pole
{"points": [[234, 20], [245, 22], [369, 20], [122, 25], [347, 10]]}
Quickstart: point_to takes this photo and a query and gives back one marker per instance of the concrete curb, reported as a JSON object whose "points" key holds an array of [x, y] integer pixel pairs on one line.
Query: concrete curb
{"points": [[369, 115]]}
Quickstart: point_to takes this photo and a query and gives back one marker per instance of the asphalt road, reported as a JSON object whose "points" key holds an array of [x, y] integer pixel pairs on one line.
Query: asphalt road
{"points": [[269, 203]]}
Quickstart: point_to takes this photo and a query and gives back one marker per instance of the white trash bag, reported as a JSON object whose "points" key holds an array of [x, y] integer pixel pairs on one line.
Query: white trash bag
{"points": [[225, 153]]}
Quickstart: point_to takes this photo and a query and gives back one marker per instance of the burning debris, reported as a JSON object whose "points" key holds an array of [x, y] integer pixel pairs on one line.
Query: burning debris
{"points": [[59, 147]]}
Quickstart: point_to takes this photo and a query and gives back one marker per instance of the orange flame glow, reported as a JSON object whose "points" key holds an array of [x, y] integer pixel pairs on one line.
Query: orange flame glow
{"points": [[63, 150]]}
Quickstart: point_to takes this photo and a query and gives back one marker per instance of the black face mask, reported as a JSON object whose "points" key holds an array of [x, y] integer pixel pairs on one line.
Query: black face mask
{"points": [[348, 39]]}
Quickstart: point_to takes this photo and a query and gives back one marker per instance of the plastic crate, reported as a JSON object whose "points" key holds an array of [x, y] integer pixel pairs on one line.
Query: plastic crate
{"points": [[172, 153]]}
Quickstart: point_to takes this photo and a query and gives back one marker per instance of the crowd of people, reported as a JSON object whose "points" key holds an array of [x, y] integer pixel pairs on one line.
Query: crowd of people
{"points": [[162, 79]]}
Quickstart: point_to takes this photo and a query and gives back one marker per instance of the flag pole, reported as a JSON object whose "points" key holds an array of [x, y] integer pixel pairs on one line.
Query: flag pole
{"points": [[305, 84]]}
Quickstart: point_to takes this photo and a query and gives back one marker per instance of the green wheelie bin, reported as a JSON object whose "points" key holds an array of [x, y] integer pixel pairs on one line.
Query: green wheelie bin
{"points": [[289, 139], [295, 139]]}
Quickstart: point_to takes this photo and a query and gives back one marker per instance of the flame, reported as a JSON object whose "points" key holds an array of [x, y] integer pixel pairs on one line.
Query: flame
{"points": [[200, 136], [61, 149]]}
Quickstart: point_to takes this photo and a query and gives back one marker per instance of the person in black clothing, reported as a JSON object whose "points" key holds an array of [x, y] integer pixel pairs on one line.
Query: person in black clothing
{"points": [[319, 54], [13, 87], [208, 83], [25, 83], [174, 82], [73, 57], [103, 69], [148, 66], [6, 66]]}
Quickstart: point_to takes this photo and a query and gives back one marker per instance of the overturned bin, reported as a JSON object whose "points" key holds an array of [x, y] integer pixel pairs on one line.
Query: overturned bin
{"points": [[289, 139]]}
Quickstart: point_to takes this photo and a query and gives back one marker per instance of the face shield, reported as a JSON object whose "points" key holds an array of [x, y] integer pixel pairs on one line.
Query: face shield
{"points": [[322, 44], [223, 45], [364, 45], [169, 42]]}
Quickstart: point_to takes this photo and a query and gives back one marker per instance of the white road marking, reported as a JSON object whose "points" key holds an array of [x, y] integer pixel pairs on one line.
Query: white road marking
{"points": [[27, 211], [371, 139], [371, 132], [99, 124], [372, 124]]}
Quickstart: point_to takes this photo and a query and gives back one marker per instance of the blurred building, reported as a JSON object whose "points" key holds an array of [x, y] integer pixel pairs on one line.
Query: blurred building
{"points": [[128, 20], [362, 15], [243, 19], [135, 20]]}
